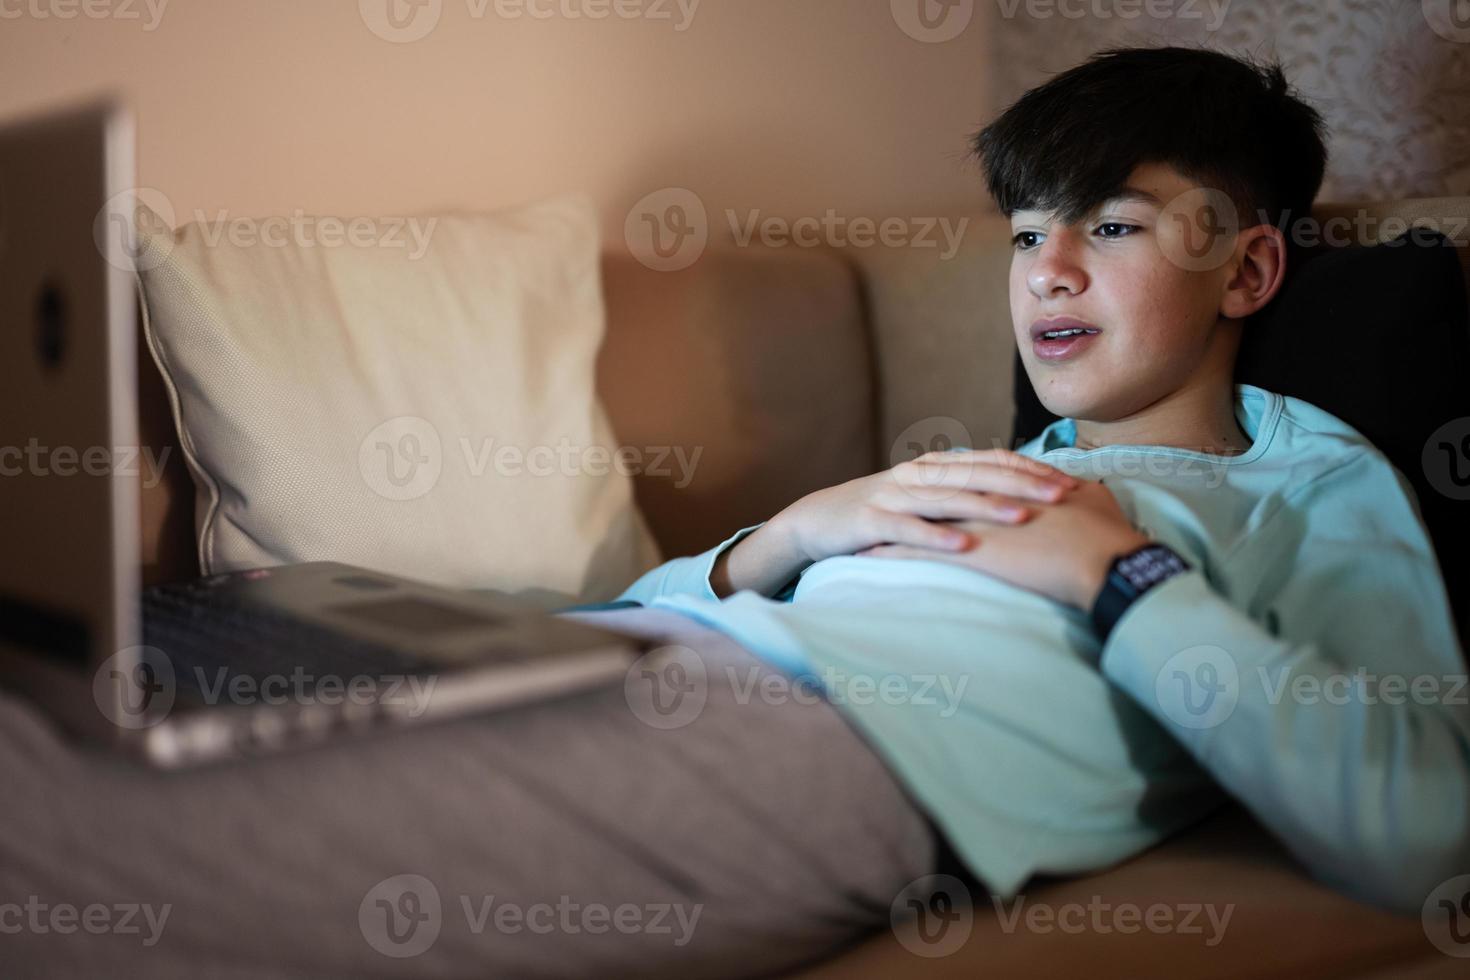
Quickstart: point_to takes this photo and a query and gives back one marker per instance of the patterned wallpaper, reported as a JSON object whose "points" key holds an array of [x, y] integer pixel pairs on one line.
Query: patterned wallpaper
{"points": [[1391, 77]]}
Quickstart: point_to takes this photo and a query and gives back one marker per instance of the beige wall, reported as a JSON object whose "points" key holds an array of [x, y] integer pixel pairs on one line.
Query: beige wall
{"points": [[266, 106]]}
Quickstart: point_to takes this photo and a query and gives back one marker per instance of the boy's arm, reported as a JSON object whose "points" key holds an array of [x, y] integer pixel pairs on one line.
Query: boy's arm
{"points": [[1350, 741], [766, 563], [897, 506]]}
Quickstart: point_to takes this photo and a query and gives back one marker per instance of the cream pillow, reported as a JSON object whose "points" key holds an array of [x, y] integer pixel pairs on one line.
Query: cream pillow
{"points": [[414, 396]]}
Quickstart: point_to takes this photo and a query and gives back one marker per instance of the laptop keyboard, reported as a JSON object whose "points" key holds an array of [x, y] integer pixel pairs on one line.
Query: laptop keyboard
{"points": [[203, 631]]}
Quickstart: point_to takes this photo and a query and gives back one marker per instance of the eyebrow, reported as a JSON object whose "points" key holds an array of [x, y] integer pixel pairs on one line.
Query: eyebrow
{"points": [[1123, 196], [1133, 194]]}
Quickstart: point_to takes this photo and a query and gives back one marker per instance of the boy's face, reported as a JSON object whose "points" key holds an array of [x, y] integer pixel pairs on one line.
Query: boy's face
{"points": [[1147, 270]]}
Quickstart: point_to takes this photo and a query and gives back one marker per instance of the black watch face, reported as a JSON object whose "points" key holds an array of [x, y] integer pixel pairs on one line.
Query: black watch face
{"points": [[1150, 564]]}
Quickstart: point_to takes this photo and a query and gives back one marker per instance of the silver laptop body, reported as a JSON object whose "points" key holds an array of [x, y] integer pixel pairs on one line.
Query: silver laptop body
{"points": [[243, 663]]}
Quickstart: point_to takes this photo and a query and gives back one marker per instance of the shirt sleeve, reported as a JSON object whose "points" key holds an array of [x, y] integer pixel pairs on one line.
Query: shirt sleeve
{"points": [[1343, 727], [690, 576]]}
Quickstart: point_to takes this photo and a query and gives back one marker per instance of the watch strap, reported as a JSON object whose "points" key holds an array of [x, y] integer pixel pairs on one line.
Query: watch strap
{"points": [[1130, 576]]}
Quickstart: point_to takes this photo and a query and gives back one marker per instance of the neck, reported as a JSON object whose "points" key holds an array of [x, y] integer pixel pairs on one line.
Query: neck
{"points": [[1202, 420], [1198, 416]]}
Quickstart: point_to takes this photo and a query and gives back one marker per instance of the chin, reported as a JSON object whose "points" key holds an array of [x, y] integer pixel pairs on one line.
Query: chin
{"points": [[1062, 397], [1096, 392]]}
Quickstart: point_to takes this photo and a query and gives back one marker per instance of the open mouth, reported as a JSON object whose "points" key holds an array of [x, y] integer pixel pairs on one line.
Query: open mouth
{"points": [[1064, 343]]}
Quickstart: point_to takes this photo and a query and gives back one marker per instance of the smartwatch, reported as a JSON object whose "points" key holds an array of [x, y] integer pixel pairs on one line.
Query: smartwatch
{"points": [[1130, 576]]}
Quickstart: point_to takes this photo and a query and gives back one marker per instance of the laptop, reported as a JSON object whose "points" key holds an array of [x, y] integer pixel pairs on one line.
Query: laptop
{"points": [[248, 662]]}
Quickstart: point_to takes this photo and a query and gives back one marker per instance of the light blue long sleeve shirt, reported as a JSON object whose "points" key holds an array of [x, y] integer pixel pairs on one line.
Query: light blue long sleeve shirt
{"points": [[1307, 664]]}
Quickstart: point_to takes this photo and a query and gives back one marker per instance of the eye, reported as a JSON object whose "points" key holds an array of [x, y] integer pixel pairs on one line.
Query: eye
{"points": [[1116, 229], [1024, 241]]}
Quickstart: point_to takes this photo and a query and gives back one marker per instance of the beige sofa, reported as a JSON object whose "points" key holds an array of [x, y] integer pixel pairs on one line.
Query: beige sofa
{"points": [[796, 369]]}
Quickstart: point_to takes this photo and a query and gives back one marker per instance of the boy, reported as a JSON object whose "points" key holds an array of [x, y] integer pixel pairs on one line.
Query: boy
{"points": [[1224, 550], [1048, 709]]}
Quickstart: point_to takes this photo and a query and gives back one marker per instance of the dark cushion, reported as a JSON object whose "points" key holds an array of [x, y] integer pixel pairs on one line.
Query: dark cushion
{"points": [[1377, 336]]}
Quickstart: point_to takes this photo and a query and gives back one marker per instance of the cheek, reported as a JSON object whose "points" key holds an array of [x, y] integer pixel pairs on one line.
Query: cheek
{"points": [[1162, 303], [1020, 300]]}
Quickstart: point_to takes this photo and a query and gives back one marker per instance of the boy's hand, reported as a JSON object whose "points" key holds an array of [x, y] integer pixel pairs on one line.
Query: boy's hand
{"points": [[980, 488], [897, 506], [1063, 552]]}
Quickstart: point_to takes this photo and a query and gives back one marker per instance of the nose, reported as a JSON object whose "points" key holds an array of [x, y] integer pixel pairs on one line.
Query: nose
{"points": [[1055, 271]]}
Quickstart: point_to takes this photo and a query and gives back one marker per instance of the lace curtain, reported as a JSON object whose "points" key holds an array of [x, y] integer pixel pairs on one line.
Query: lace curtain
{"points": [[1391, 77]]}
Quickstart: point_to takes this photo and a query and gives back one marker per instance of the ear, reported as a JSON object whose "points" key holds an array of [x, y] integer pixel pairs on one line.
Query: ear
{"points": [[1257, 272]]}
